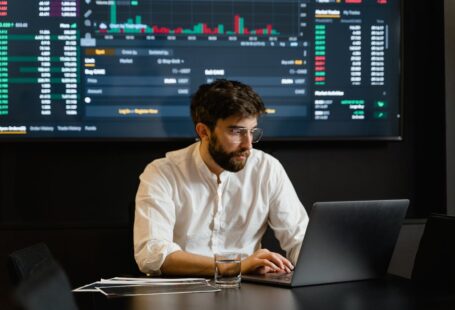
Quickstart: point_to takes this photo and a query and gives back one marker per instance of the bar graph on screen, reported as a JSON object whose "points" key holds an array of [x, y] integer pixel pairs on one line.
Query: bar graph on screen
{"points": [[197, 17]]}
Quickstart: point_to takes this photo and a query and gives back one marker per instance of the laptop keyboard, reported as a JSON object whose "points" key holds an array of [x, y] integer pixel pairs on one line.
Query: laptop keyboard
{"points": [[279, 276]]}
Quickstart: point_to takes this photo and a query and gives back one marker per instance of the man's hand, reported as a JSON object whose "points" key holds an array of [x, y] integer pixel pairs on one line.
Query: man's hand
{"points": [[263, 261]]}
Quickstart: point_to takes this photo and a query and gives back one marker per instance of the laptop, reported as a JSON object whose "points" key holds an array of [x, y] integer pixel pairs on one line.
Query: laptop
{"points": [[344, 241]]}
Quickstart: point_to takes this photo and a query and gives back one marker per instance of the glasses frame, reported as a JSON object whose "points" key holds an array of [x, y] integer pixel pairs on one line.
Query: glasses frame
{"points": [[237, 134]]}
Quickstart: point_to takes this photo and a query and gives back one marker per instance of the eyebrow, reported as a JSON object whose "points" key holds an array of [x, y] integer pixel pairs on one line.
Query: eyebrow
{"points": [[240, 127]]}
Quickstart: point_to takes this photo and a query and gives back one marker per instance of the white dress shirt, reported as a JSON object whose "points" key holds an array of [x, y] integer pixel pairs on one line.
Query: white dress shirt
{"points": [[181, 206]]}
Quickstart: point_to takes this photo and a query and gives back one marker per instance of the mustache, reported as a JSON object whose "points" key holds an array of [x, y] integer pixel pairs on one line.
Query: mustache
{"points": [[241, 153]]}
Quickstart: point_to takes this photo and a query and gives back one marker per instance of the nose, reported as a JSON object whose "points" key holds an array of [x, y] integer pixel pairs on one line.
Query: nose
{"points": [[247, 140]]}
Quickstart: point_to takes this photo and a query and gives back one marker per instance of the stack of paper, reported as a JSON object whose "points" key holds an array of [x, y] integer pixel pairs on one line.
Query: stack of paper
{"points": [[120, 286]]}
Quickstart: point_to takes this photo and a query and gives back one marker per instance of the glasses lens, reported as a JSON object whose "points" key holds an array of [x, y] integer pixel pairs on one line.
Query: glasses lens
{"points": [[257, 134]]}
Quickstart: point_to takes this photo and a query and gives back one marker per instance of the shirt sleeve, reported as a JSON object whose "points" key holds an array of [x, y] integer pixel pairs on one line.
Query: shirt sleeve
{"points": [[154, 221], [287, 216]]}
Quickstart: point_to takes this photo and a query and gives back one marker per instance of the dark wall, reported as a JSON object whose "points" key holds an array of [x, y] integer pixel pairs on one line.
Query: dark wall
{"points": [[449, 20], [77, 197]]}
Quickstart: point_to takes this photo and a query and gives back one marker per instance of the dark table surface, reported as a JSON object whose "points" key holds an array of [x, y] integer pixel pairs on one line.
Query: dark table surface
{"points": [[384, 294]]}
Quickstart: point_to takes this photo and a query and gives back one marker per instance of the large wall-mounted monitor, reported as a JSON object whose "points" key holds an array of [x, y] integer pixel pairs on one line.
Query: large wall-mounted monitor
{"points": [[108, 69]]}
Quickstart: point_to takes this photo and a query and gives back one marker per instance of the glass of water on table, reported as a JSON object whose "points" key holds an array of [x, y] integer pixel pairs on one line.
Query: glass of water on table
{"points": [[228, 270]]}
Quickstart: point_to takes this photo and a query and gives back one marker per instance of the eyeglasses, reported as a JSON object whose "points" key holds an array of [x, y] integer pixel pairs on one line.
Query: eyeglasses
{"points": [[236, 134]]}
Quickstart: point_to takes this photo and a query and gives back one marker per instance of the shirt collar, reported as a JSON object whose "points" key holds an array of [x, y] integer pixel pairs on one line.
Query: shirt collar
{"points": [[204, 170]]}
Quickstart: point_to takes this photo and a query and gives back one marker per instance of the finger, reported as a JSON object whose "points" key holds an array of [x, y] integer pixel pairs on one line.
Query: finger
{"points": [[286, 262], [289, 264], [278, 260], [267, 263], [261, 270], [264, 270]]}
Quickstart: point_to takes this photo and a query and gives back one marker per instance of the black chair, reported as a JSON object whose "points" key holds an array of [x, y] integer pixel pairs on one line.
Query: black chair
{"points": [[22, 263], [434, 265], [46, 288]]}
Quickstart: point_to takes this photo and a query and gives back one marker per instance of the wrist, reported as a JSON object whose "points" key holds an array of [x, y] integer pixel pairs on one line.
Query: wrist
{"points": [[245, 266]]}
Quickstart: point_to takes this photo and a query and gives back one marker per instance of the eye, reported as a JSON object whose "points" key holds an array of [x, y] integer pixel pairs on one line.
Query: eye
{"points": [[237, 131]]}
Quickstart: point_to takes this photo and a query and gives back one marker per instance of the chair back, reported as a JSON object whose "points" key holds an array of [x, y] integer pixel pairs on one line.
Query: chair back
{"points": [[434, 265], [22, 263], [47, 288]]}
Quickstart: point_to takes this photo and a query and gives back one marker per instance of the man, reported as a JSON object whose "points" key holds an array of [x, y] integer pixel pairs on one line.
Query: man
{"points": [[217, 194]]}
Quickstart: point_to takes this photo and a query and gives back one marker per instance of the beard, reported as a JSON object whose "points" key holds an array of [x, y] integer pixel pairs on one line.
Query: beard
{"points": [[226, 160]]}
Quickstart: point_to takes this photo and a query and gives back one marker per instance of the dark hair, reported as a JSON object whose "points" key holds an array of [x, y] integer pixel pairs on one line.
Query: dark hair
{"points": [[222, 99]]}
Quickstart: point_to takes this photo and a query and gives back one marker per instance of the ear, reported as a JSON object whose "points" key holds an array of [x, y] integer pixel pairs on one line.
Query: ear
{"points": [[202, 130]]}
